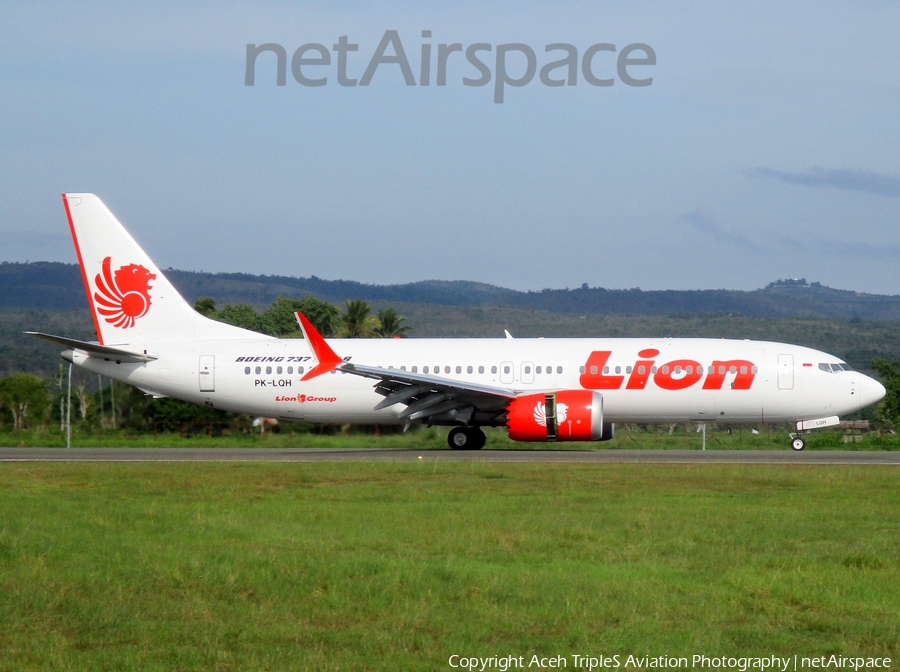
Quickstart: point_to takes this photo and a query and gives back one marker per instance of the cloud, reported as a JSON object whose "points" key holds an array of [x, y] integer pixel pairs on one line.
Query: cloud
{"points": [[838, 178], [705, 223], [834, 248]]}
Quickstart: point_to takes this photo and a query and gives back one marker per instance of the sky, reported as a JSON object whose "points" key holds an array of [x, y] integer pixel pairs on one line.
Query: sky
{"points": [[765, 147]]}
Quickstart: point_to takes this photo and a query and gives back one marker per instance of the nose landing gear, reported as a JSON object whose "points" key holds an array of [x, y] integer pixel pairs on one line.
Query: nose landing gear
{"points": [[804, 427]]}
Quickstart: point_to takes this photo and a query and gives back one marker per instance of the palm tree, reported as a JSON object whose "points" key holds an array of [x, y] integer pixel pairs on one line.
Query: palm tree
{"points": [[205, 306], [391, 324], [357, 320]]}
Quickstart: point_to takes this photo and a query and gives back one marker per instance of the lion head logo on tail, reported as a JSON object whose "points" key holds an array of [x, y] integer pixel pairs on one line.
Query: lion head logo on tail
{"points": [[124, 297]]}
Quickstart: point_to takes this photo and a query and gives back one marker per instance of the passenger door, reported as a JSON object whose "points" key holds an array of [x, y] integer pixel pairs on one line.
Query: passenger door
{"points": [[785, 372]]}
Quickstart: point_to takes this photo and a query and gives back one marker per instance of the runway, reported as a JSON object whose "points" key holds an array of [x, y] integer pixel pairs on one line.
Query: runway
{"points": [[407, 455]]}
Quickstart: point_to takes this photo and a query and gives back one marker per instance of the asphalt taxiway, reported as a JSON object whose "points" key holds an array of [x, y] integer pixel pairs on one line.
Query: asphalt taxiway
{"points": [[412, 455]]}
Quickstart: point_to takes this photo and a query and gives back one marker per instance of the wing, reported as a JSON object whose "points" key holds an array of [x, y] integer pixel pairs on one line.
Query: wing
{"points": [[436, 400], [431, 399]]}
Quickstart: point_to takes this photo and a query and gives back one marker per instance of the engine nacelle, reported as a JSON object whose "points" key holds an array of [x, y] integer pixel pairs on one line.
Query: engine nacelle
{"points": [[570, 415]]}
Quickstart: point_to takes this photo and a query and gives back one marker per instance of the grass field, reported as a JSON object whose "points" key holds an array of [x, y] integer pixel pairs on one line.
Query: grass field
{"points": [[396, 566]]}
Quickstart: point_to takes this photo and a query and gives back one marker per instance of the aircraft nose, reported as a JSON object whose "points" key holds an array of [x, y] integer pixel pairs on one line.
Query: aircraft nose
{"points": [[870, 391]]}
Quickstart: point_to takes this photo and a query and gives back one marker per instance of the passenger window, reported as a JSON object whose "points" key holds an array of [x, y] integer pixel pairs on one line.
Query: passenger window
{"points": [[468, 369], [424, 369], [677, 369], [593, 370], [446, 369], [642, 369], [279, 370], [618, 369], [415, 369], [665, 369], [506, 369], [258, 370], [559, 369], [493, 369], [537, 369], [581, 369], [605, 370], [527, 369], [743, 369], [403, 368], [300, 369], [733, 369], [290, 370], [268, 370], [755, 369], [721, 370], [652, 369], [480, 369], [689, 369], [459, 369], [247, 370]]}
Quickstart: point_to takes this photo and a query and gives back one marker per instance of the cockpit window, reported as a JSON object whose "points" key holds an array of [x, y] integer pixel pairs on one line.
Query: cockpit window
{"points": [[835, 368]]}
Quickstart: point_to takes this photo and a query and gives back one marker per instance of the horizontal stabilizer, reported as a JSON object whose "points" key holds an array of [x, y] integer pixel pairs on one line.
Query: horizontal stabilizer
{"points": [[95, 349]]}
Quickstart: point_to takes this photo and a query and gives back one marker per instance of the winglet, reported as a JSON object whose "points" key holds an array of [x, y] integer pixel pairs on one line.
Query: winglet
{"points": [[327, 358]]}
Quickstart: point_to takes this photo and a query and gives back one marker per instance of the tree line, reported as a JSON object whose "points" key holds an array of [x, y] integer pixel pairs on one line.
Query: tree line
{"points": [[354, 321]]}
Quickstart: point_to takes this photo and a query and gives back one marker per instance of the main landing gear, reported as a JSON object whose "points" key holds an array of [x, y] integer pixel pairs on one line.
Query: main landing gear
{"points": [[466, 438]]}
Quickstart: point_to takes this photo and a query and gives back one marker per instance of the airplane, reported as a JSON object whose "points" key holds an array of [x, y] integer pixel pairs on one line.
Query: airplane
{"points": [[539, 389]]}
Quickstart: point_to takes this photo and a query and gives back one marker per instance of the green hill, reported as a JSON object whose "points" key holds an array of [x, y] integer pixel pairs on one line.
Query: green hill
{"points": [[46, 285]]}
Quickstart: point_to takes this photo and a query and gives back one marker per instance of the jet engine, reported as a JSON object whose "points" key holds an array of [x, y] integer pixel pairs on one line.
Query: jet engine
{"points": [[569, 415]]}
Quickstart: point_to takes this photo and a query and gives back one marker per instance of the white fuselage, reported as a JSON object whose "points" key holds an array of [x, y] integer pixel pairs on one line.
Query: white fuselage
{"points": [[671, 380]]}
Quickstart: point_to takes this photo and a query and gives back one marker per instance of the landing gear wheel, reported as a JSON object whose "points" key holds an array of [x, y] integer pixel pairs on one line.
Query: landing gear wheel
{"points": [[798, 444], [466, 438], [459, 439]]}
